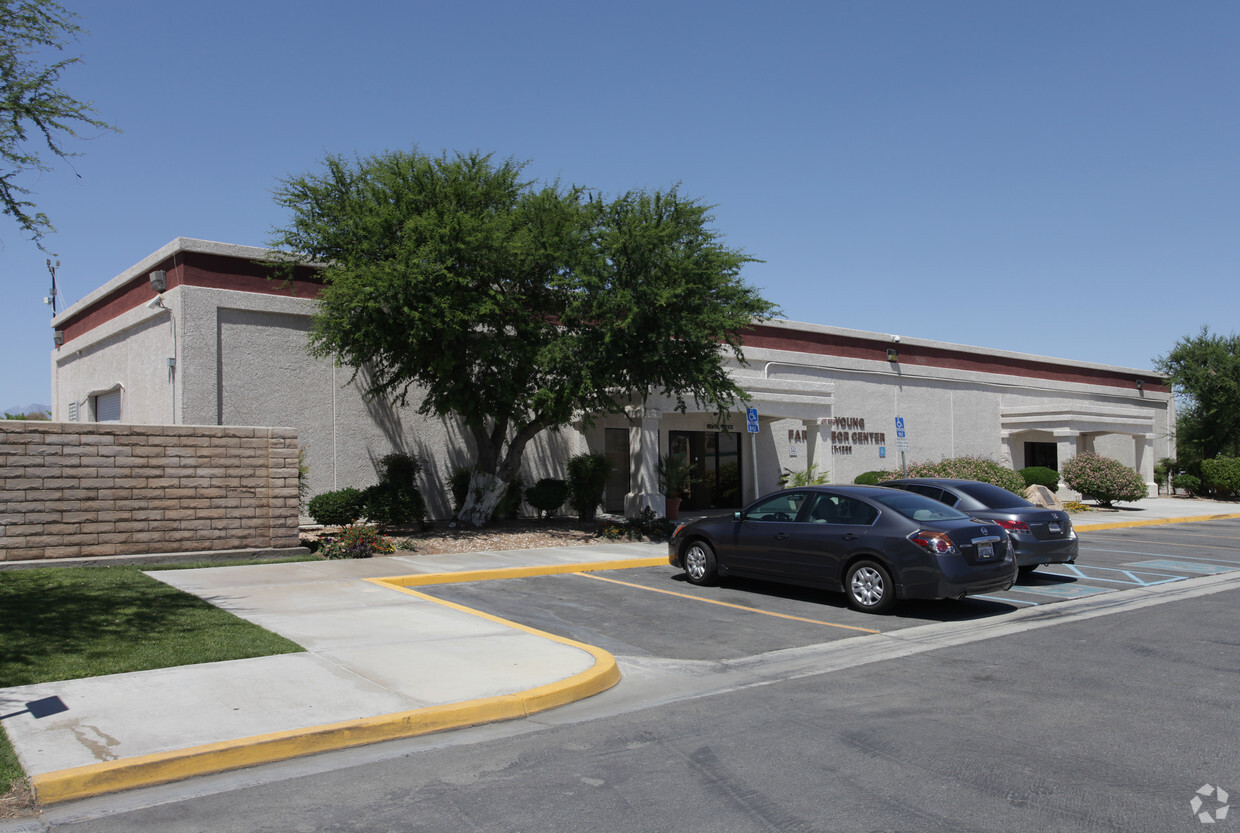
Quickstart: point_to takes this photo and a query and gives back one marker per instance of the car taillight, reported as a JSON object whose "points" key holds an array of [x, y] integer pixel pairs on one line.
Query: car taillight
{"points": [[934, 542], [1011, 526]]}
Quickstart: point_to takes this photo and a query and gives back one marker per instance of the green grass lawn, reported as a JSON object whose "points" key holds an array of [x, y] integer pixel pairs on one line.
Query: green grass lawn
{"points": [[62, 623]]}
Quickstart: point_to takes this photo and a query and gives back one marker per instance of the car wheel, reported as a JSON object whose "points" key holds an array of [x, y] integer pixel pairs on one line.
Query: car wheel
{"points": [[869, 587], [700, 564], [1026, 570]]}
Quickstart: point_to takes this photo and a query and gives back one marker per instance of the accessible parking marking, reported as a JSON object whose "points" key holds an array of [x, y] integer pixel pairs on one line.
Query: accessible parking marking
{"points": [[1133, 576], [1189, 566]]}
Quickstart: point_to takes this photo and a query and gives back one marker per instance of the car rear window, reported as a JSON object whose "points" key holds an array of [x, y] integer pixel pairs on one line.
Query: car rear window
{"points": [[992, 496], [917, 507]]}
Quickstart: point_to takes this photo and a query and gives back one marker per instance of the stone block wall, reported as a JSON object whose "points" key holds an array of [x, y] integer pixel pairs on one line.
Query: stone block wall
{"points": [[80, 490]]}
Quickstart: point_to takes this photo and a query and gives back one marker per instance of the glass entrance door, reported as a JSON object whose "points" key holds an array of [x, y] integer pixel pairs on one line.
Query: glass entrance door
{"points": [[716, 463]]}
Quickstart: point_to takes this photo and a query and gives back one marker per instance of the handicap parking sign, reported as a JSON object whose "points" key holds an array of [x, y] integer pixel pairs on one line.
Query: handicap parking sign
{"points": [[751, 420]]}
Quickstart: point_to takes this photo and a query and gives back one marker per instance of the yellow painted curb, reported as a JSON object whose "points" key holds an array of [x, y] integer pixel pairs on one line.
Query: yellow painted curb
{"points": [[162, 767], [1153, 522], [518, 572]]}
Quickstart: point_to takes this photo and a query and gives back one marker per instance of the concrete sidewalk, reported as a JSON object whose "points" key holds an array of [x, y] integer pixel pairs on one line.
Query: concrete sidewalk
{"points": [[382, 661]]}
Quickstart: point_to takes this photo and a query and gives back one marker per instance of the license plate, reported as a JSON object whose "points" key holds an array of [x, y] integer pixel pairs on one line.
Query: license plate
{"points": [[985, 551], [1055, 529]]}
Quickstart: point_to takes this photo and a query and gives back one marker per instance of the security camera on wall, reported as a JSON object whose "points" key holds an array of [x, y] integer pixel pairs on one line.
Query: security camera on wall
{"points": [[895, 339]]}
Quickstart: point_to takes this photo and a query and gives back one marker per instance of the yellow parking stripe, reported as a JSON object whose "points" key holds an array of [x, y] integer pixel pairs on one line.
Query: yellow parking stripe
{"points": [[727, 604]]}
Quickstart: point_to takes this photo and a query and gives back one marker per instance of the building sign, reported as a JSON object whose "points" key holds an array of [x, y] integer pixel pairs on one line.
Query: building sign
{"points": [[720, 426], [847, 432]]}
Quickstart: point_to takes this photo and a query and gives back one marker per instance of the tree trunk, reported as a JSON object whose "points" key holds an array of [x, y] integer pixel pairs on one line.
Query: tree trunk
{"points": [[485, 493]]}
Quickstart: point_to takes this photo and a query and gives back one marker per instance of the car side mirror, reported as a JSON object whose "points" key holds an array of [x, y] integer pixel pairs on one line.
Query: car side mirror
{"points": [[738, 516]]}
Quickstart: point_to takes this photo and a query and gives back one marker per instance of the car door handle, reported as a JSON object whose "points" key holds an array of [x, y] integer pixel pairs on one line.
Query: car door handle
{"points": [[780, 536], [851, 536]]}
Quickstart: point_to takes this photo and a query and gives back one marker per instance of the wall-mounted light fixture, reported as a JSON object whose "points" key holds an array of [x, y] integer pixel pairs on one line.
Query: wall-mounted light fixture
{"points": [[58, 336], [159, 280], [893, 355], [1140, 384]]}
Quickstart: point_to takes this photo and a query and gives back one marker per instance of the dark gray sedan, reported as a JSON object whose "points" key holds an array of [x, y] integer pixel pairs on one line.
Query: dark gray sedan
{"points": [[875, 544], [1040, 536]]}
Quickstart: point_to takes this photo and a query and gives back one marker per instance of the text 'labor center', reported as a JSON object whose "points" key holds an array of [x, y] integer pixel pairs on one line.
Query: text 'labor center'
{"points": [[199, 333]]}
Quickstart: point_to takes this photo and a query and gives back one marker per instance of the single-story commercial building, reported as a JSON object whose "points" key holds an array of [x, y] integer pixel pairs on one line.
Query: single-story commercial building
{"points": [[199, 333]]}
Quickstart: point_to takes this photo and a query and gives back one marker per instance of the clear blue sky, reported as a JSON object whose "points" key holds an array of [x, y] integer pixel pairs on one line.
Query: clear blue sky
{"points": [[1059, 178]]}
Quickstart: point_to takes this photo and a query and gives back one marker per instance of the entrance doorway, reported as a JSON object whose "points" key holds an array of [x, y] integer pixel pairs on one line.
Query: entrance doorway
{"points": [[616, 449], [715, 459], [1042, 454]]}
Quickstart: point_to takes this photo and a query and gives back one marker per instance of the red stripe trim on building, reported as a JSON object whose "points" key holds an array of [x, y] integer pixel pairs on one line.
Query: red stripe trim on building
{"points": [[852, 347]]}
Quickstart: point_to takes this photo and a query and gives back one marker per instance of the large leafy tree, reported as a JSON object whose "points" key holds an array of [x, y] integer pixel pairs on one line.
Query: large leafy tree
{"points": [[36, 115], [516, 307], [1205, 374]]}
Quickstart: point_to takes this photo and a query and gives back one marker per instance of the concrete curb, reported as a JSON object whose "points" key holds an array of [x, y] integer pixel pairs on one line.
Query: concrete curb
{"points": [[148, 770], [1151, 522]]}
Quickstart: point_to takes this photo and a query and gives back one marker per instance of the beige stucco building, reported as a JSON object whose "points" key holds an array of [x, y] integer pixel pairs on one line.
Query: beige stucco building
{"points": [[225, 344]]}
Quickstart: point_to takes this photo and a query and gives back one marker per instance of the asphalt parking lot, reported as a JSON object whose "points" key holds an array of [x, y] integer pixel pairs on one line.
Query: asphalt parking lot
{"points": [[655, 612]]}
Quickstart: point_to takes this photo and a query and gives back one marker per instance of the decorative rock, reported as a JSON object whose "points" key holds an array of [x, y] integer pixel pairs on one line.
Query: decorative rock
{"points": [[1042, 496]]}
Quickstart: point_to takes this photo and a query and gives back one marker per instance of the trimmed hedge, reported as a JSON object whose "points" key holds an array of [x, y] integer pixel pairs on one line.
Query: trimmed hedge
{"points": [[1040, 476], [547, 495], [871, 478], [339, 508]]}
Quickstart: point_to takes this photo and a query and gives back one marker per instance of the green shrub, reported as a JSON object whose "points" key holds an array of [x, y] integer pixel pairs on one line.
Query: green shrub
{"points": [[547, 495], [587, 478], [967, 468], [1103, 479], [395, 500], [1221, 476], [355, 542], [871, 478], [1040, 476], [338, 508], [1188, 482]]}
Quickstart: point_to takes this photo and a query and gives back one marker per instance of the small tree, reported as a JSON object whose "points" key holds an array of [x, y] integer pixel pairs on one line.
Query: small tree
{"points": [[516, 308], [1103, 479], [587, 479], [1205, 375]]}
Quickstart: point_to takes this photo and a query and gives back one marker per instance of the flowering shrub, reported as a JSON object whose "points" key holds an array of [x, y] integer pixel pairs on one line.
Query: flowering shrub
{"points": [[355, 542], [1103, 479], [967, 468], [1077, 506]]}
